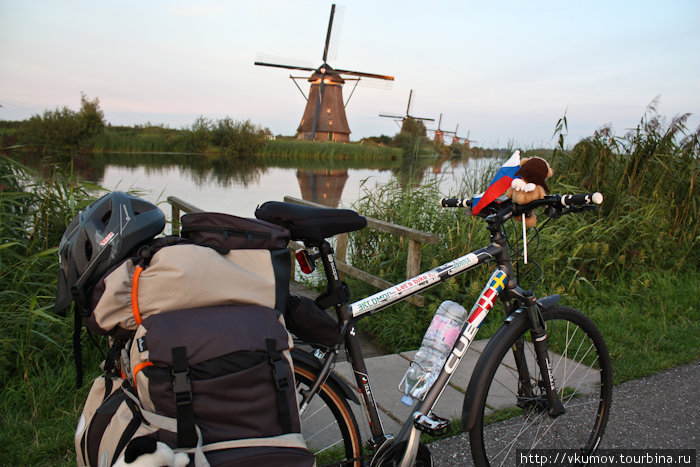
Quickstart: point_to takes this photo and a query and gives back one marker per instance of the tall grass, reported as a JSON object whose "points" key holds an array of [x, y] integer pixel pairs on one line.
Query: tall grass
{"points": [[38, 403], [617, 259], [33, 214], [413, 204], [147, 138], [327, 149]]}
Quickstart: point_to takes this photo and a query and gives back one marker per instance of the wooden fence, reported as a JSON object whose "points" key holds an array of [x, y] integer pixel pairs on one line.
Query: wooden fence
{"points": [[415, 238]]}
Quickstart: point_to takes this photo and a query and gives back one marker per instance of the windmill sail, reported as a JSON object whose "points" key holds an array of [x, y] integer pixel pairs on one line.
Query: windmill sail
{"points": [[402, 118], [324, 116]]}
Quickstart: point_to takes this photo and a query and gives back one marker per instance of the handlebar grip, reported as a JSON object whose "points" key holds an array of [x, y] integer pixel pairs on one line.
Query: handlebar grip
{"points": [[456, 203], [581, 199]]}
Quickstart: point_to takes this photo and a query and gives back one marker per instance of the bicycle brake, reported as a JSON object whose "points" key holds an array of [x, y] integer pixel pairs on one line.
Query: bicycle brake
{"points": [[431, 424]]}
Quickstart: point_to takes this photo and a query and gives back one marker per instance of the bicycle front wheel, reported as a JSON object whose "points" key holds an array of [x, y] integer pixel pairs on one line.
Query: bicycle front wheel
{"points": [[512, 415], [328, 424]]}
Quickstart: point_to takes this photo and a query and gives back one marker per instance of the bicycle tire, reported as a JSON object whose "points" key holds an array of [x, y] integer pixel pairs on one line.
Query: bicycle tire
{"points": [[582, 371], [328, 425]]}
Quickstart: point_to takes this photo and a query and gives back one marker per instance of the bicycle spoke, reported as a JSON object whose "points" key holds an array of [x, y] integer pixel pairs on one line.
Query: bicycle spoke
{"points": [[583, 388]]}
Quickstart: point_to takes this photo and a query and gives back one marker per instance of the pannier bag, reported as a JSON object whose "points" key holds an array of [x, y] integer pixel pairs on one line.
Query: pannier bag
{"points": [[186, 275], [201, 356], [227, 232], [310, 323]]}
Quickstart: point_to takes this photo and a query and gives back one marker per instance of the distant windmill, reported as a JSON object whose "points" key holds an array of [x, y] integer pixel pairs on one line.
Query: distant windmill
{"points": [[401, 118], [458, 139], [439, 132], [324, 116]]}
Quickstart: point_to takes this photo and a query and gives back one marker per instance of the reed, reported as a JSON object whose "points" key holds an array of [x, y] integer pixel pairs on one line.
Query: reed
{"points": [[38, 402], [327, 150], [33, 214], [641, 246]]}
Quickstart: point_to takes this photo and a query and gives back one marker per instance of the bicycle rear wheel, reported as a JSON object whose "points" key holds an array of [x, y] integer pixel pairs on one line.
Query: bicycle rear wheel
{"points": [[513, 416], [328, 424]]}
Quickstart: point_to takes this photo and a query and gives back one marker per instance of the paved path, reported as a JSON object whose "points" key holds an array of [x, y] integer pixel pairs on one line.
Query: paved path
{"points": [[657, 412]]}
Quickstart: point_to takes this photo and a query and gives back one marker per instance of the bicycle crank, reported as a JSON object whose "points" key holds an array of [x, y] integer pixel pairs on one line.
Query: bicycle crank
{"points": [[391, 455]]}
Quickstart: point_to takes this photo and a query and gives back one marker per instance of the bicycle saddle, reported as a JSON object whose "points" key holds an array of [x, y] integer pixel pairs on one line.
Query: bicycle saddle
{"points": [[310, 223]]}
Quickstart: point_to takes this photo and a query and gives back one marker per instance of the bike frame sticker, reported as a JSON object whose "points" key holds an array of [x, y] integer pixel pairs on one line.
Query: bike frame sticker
{"points": [[481, 308], [487, 298], [458, 265], [413, 285]]}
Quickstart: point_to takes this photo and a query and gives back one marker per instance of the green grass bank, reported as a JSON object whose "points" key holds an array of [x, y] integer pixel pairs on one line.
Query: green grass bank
{"points": [[634, 267]]}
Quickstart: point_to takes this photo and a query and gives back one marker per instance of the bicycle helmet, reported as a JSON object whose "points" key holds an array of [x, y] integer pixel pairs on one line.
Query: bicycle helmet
{"points": [[101, 236]]}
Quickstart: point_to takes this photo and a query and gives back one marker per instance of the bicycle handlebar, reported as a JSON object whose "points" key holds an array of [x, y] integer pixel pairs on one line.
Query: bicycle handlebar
{"points": [[582, 199], [456, 202], [559, 201]]}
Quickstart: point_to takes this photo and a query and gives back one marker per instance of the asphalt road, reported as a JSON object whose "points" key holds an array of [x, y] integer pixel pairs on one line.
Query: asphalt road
{"points": [[656, 412]]}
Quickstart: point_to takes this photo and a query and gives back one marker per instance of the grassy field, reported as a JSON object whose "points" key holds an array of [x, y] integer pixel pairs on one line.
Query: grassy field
{"points": [[634, 267]]}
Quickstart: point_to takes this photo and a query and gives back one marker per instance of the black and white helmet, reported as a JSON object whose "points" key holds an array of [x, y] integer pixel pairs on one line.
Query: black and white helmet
{"points": [[101, 236]]}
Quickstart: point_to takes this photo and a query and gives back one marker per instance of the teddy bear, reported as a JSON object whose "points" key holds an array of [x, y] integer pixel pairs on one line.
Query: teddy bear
{"points": [[145, 451], [531, 186]]}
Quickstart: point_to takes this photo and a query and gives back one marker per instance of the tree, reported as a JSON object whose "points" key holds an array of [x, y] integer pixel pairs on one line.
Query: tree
{"points": [[64, 128], [92, 119], [412, 136]]}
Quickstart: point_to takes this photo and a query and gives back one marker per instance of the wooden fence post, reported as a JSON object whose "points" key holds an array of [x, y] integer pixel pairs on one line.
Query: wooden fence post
{"points": [[175, 220], [341, 247], [413, 261]]}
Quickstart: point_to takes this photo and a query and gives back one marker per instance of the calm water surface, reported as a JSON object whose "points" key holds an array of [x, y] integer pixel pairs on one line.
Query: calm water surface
{"points": [[240, 185]]}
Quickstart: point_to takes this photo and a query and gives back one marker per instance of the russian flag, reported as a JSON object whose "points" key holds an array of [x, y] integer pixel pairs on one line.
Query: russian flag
{"points": [[500, 183]]}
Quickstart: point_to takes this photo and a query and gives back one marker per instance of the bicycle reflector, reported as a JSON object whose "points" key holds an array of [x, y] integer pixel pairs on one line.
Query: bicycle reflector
{"points": [[306, 263]]}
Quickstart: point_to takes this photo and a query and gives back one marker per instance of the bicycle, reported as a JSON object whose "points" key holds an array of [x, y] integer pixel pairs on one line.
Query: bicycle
{"points": [[540, 409]]}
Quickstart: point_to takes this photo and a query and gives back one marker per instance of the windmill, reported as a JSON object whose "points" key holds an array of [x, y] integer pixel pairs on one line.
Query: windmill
{"points": [[439, 133], [402, 118], [324, 116], [458, 139]]}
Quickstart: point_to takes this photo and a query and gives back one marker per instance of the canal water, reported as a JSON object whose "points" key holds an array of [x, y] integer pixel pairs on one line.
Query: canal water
{"points": [[237, 186]]}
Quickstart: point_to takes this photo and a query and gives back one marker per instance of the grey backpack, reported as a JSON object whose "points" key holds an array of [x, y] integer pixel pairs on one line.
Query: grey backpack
{"points": [[201, 357]]}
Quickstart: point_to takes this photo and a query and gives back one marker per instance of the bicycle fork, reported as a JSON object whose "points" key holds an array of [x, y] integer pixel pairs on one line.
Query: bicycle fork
{"points": [[539, 341]]}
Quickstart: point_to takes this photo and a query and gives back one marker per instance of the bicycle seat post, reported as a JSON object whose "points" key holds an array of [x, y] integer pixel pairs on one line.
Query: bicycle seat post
{"points": [[337, 292]]}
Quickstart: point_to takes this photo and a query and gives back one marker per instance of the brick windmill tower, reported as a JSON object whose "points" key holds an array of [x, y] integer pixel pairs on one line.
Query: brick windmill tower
{"points": [[324, 116]]}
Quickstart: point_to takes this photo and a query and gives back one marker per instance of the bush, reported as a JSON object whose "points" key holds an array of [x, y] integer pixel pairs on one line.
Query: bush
{"points": [[64, 128]]}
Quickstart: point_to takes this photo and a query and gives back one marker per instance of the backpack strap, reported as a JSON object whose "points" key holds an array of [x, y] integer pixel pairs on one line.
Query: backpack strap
{"points": [[182, 390], [135, 294], [280, 374]]}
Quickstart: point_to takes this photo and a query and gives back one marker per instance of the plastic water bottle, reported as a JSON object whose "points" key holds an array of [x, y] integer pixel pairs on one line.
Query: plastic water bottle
{"points": [[438, 340]]}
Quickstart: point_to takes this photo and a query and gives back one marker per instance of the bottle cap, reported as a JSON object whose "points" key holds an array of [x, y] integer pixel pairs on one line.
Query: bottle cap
{"points": [[407, 400]]}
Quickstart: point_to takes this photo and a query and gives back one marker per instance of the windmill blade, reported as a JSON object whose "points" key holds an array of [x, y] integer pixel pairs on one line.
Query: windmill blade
{"points": [[408, 107], [422, 118], [363, 75], [334, 43], [282, 62], [279, 65], [375, 83], [391, 116], [328, 34]]}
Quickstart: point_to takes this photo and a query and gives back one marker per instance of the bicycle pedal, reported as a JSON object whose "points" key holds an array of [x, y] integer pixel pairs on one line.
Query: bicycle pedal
{"points": [[432, 424]]}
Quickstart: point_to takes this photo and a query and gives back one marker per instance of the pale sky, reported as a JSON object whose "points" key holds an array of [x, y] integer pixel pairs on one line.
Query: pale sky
{"points": [[503, 70]]}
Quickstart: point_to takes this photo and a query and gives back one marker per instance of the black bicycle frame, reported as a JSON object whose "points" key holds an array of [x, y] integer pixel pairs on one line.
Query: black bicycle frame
{"points": [[502, 283]]}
